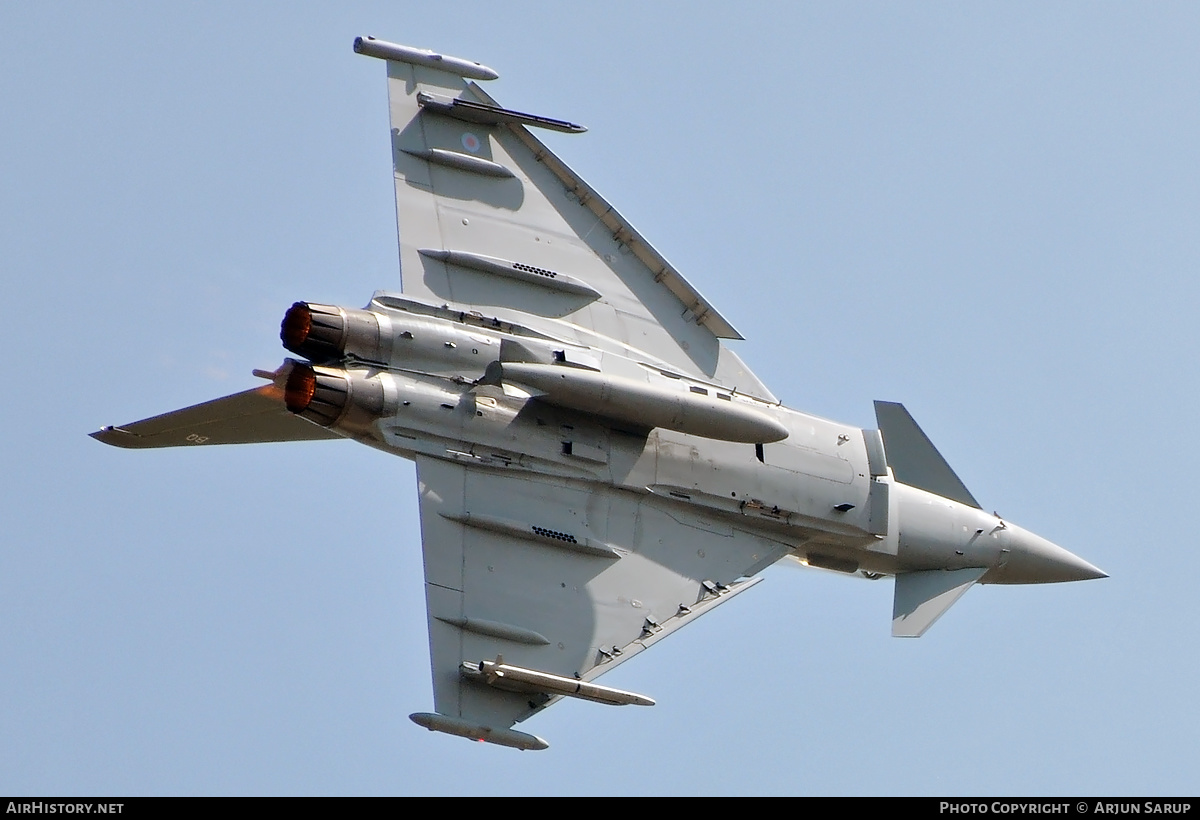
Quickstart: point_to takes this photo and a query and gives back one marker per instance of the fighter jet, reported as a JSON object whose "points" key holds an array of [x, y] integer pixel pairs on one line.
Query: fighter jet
{"points": [[596, 468]]}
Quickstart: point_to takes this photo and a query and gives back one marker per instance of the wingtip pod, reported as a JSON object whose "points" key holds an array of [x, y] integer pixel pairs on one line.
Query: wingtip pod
{"points": [[476, 731], [384, 50]]}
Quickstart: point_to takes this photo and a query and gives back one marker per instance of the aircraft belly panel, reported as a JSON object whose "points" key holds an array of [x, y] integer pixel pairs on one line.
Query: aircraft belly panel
{"points": [[725, 470]]}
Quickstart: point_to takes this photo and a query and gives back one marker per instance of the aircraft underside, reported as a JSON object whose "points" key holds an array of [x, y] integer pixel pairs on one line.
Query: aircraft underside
{"points": [[596, 467]]}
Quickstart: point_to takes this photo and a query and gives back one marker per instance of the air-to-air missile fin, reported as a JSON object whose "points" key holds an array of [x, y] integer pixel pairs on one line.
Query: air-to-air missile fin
{"points": [[913, 458]]}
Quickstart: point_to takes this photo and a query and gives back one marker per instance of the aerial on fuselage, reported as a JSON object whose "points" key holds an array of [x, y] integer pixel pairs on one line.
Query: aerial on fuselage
{"points": [[596, 467]]}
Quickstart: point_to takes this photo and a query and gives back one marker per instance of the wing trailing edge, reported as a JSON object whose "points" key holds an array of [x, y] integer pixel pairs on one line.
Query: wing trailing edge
{"points": [[255, 416]]}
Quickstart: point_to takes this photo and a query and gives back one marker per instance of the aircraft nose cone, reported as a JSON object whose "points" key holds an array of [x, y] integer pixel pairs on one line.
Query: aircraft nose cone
{"points": [[1034, 560]]}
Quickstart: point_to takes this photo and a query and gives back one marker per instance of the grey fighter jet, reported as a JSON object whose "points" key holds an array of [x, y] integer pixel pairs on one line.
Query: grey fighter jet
{"points": [[596, 468]]}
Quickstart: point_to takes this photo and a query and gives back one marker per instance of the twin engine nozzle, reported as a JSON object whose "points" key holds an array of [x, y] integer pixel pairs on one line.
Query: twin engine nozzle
{"points": [[319, 334], [318, 397], [351, 352], [326, 333], [345, 383], [351, 399]]}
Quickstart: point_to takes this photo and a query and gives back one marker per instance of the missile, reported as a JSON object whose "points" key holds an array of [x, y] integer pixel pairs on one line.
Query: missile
{"points": [[501, 675]]}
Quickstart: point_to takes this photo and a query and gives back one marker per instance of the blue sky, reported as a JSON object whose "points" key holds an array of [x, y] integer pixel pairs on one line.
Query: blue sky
{"points": [[985, 211]]}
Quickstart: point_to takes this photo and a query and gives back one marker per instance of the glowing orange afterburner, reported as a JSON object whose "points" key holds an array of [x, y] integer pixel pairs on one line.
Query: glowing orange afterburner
{"points": [[301, 385], [297, 324]]}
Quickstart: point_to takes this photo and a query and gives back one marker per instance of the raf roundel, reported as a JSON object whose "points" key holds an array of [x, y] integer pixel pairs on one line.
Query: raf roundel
{"points": [[470, 142]]}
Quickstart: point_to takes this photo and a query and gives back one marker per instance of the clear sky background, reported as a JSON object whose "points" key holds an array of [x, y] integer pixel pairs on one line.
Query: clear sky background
{"points": [[986, 211]]}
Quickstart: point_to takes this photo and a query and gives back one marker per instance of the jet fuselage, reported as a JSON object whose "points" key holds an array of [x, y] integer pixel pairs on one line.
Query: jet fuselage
{"points": [[401, 378]]}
